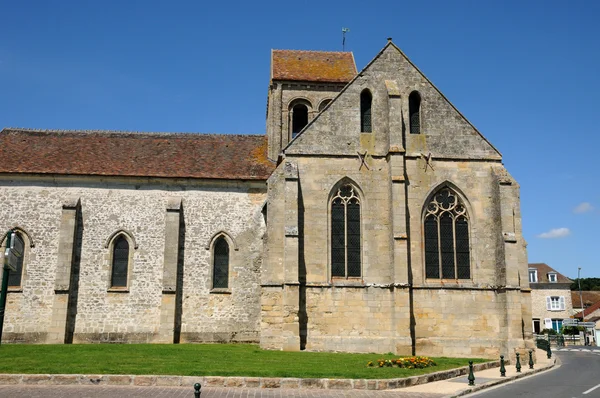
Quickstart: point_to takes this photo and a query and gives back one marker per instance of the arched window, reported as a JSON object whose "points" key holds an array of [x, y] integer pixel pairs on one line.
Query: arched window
{"points": [[15, 277], [345, 233], [414, 110], [299, 118], [120, 262], [366, 100], [221, 263], [446, 227], [323, 104]]}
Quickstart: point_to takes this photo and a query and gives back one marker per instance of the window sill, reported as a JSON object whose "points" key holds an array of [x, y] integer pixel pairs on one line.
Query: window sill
{"points": [[350, 282], [118, 290], [220, 290], [14, 290]]}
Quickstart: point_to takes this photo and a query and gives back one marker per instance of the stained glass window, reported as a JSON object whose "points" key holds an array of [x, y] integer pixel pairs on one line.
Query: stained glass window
{"points": [[120, 262], [345, 233], [221, 264], [446, 229]]}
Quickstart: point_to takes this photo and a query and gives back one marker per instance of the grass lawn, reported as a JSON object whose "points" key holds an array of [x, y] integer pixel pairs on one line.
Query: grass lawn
{"points": [[201, 360]]}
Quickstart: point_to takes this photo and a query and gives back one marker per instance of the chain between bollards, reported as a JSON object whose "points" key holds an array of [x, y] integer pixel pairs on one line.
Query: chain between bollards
{"points": [[197, 388], [530, 359], [518, 363], [471, 375], [502, 368]]}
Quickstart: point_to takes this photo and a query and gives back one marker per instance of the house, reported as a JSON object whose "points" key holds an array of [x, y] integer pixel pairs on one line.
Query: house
{"points": [[371, 217], [588, 298], [550, 297]]}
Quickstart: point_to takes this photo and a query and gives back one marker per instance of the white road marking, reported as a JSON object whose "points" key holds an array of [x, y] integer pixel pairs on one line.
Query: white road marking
{"points": [[591, 389]]}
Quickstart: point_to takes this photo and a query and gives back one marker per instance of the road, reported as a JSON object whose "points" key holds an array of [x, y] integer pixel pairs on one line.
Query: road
{"points": [[578, 376]]}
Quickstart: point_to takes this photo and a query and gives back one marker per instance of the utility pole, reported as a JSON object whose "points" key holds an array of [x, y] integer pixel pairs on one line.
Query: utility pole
{"points": [[581, 302]]}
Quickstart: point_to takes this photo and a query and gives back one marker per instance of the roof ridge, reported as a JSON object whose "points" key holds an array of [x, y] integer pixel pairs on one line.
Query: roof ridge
{"points": [[314, 51], [129, 132]]}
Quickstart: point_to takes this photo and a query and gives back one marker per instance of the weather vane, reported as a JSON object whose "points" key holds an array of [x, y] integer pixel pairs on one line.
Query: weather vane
{"points": [[344, 31]]}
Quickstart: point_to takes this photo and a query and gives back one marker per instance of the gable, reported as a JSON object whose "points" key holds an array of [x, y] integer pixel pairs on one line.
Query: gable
{"points": [[391, 77]]}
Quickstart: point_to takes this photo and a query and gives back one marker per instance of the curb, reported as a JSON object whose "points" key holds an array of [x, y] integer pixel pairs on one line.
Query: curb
{"points": [[241, 382], [503, 380]]}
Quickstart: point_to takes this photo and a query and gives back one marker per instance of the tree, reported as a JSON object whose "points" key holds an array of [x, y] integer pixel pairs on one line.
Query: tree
{"points": [[586, 284]]}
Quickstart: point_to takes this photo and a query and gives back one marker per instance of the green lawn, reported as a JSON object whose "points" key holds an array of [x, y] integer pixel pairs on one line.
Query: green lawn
{"points": [[201, 360]]}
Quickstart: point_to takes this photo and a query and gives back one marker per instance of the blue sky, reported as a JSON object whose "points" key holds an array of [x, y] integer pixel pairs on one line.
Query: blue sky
{"points": [[525, 73]]}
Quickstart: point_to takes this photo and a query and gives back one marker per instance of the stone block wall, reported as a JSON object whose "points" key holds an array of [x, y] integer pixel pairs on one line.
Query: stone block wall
{"points": [[539, 309], [134, 314]]}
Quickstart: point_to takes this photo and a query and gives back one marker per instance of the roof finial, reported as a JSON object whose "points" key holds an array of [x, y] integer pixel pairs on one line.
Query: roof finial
{"points": [[389, 39], [344, 31]]}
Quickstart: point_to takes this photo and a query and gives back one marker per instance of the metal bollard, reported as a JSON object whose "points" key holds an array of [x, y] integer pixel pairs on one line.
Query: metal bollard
{"points": [[530, 359], [502, 368], [549, 352], [471, 375], [518, 363], [197, 388]]}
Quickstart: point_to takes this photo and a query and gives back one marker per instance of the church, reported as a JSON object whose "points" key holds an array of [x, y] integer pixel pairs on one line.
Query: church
{"points": [[371, 217]]}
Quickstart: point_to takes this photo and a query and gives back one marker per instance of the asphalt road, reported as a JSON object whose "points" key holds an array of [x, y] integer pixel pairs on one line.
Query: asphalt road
{"points": [[578, 376]]}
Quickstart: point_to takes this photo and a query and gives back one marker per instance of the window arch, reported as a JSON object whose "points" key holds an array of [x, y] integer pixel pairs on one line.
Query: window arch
{"points": [[345, 232], [17, 277], [446, 227], [299, 118], [414, 111], [120, 262], [324, 103], [221, 263], [366, 100]]}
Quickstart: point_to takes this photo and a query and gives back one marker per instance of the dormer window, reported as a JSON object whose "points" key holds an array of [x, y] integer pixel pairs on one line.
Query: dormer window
{"points": [[552, 277], [533, 275]]}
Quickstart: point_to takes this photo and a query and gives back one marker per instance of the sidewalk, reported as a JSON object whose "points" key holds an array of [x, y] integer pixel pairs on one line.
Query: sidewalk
{"points": [[458, 386]]}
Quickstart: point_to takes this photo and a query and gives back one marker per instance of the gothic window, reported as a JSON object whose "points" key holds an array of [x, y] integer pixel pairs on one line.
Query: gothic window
{"points": [[299, 118], [345, 233], [446, 228], [366, 100], [15, 277], [221, 264], [120, 262], [414, 111]]}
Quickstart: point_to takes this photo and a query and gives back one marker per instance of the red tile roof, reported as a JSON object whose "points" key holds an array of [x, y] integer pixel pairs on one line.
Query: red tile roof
{"points": [[105, 153], [312, 66], [589, 297], [543, 270], [588, 310]]}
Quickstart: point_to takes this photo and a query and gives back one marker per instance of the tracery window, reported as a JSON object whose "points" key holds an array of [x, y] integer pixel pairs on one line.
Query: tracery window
{"points": [[366, 100], [345, 233], [414, 111], [221, 264], [120, 262], [446, 237]]}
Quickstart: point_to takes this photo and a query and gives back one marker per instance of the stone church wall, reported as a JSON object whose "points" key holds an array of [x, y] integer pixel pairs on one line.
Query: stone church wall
{"points": [[138, 207]]}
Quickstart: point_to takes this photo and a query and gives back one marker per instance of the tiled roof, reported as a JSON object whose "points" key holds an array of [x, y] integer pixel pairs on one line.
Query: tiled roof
{"points": [[312, 66], [589, 297], [105, 153], [544, 269], [588, 310]]}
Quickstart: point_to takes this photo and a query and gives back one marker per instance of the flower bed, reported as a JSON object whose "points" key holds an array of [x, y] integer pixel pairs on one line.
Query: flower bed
{"points": [[406, 363]]}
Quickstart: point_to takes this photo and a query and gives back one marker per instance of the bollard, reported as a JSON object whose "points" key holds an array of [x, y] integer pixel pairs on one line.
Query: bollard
{"points": [[518, 363], [530, 359], [197, 388], [471, 375], [502, 368], [549, 352]]}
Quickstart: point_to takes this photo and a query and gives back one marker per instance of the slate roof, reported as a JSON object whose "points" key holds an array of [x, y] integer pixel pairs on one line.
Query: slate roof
{"points": [[109, 153], [542, 273], [312, 66]]}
